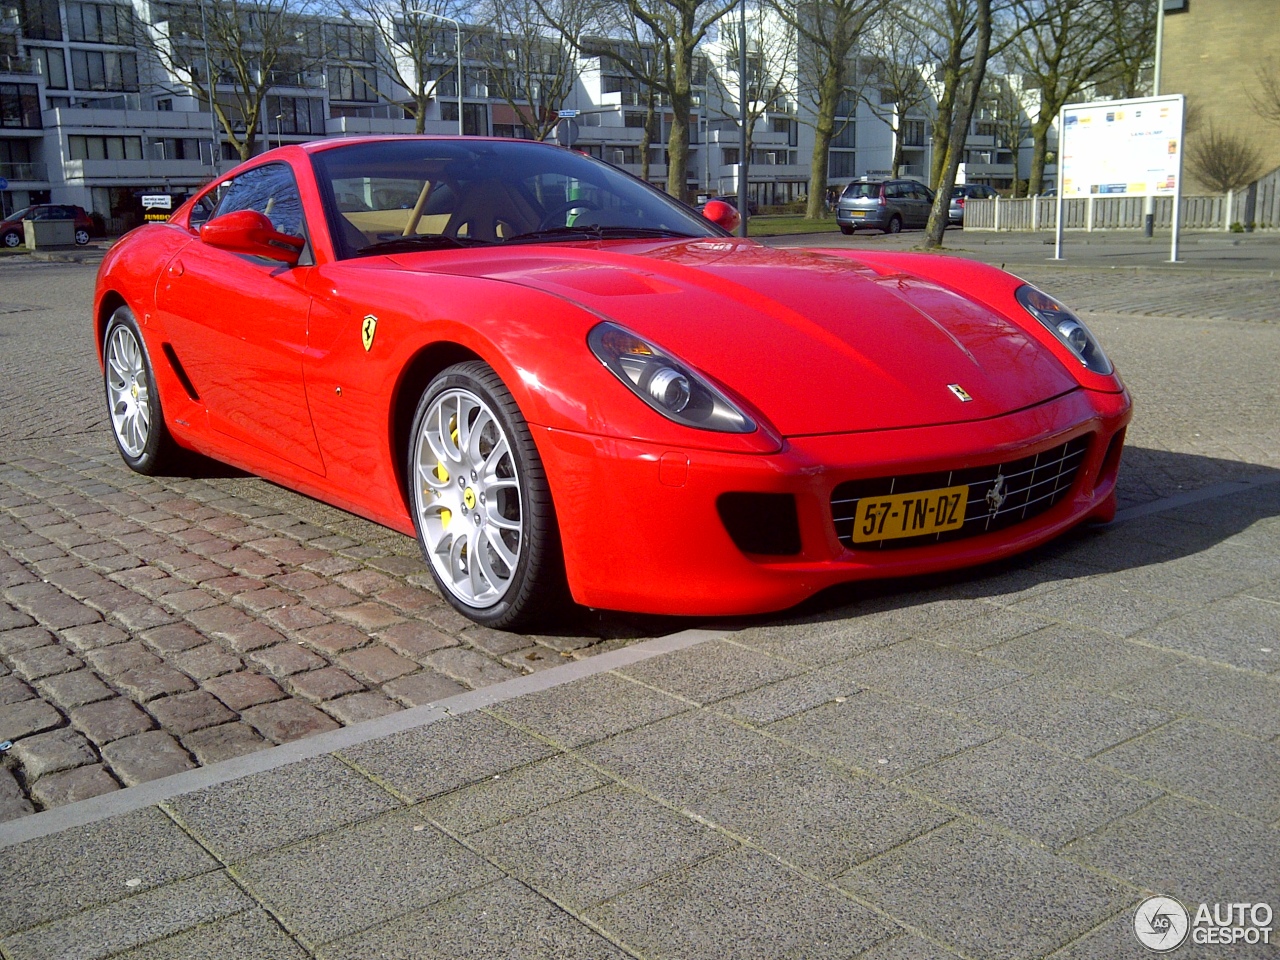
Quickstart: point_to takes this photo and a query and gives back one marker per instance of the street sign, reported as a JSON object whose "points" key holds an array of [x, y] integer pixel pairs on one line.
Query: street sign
{"points": [[567, 114], [156, 207], [4, 184]]}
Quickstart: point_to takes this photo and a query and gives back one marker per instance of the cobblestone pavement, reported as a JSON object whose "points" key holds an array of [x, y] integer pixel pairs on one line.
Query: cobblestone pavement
{"points": [[152, 625]]}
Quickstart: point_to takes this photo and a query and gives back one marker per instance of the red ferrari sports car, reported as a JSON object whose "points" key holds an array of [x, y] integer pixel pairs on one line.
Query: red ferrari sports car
{"points": [[555, 375]]}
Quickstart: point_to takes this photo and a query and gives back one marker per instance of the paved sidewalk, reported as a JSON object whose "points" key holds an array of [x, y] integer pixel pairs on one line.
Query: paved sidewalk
{"points": [[996, 767]]}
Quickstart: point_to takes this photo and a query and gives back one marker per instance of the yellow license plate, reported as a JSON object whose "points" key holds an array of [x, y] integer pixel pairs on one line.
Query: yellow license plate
{"points": [[909, 514], [857, 213]]}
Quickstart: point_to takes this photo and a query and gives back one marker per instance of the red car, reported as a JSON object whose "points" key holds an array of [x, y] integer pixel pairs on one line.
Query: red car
{"points": [[11, 228], [554, 375]]}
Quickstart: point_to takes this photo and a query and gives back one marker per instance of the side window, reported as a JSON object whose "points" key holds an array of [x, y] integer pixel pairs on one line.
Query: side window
{"points": [[270, 190], [892, 191]]}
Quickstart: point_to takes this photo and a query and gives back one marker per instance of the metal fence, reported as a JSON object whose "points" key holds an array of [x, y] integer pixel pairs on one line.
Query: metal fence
{"points": [[1128, 213]]}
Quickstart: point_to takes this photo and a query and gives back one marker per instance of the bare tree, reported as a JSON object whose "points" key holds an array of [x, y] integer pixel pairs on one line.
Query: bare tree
{"points": [[528, 65], [1129, 27], [1266, 101], [1223, 161], [968, 91], [1059, 53], [253, 47], [895, 89], [1003, 100], [770, 75], [416, 50], [827, 32], [639, 71]]}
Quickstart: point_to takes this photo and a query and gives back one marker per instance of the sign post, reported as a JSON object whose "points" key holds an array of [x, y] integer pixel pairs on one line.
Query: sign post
{"points": [[1121, 148]]}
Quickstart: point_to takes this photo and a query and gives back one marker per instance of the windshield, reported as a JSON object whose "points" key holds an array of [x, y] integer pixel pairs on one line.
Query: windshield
{"points": [[388, 196], [19, 214]]}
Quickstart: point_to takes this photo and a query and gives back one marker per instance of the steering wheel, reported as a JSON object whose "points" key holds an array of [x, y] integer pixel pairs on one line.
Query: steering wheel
{"points": [[551, 217]]}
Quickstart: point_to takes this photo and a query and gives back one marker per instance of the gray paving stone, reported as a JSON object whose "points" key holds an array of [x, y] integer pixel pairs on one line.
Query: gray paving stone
{"points": [[907, 947], [500, 921], [391, 865], [441, 757], [53, 751], [792, 696], [596, 845], [106, 930], [1225, 769], [173, 638], [511, 795], [1032, 791], [927, 673], [1233, 631], [87, 866], [415, 639], [359, 707], [822, 821], [205, 662], [251, 935], [590, 709], [740, 906], [984, 895], [989, 626], [285, 659], [145, 756], [1083, 657], [692, 754], [815, 644], [13, 803], [68, 690], [22, 719], [13, 690], [1247, 702], [1229, 858], [332, 639], [72, 786], [1054, 713], [186, 712], [24, 638], [468, 667], [249, 816], [880, 734], [43, 662], [243, 689], [376, 664], [93, 636], [223, 742], [285, 720], [324, 684], [426, 686], [710, 671]]}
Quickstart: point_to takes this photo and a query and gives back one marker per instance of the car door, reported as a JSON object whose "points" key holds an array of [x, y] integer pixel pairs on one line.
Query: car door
{"points": [[238, 325], [921, 203]]}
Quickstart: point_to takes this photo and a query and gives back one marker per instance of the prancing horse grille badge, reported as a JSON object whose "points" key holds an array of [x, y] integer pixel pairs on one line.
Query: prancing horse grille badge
{"points": [[960, 392]]}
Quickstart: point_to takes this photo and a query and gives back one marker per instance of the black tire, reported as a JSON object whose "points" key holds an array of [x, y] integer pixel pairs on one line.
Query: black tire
{"points": [[535, 585], [895, 224], [847, 231], [153, 452], [11, 239]]}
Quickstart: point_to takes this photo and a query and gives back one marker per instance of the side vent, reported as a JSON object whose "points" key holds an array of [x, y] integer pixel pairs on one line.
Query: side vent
{"points": [[176, 365]]}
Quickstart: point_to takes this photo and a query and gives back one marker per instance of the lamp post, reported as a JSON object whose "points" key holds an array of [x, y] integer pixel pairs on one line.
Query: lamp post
{"points": [[457, 25], [742, 121], [279, 135], [208, 69]]}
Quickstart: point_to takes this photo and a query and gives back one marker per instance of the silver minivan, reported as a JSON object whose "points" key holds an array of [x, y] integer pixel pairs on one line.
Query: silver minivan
{"points": [[887, 205]]}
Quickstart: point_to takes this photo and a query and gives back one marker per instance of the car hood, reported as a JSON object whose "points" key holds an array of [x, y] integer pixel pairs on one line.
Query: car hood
{"points": [[817, 344]]}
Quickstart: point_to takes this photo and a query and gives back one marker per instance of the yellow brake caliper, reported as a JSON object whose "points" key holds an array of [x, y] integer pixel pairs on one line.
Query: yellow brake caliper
{"points": [[442, 474]]}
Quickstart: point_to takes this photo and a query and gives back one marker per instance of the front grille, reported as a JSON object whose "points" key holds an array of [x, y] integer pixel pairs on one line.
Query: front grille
{"points": [[1030, 486]]}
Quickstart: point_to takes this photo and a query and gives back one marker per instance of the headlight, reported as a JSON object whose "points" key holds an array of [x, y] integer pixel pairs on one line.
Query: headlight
{"points": [[1066, 326], [664, 383]]}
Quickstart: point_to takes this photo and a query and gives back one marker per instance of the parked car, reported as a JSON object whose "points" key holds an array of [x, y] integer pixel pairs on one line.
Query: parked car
{"points": [[558, 377], [11, 230], [967, 191], [887, 205]]}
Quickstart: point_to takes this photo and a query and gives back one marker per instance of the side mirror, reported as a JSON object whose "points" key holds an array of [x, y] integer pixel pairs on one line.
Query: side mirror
{"points": [[721, 213], [249, 232]]}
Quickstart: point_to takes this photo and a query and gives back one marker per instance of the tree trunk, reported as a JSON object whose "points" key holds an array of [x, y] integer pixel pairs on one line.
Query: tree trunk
{"points": [[1039, 152], [646, 136], [942, 120], [824, 126], [939, 215], [896, 166]]}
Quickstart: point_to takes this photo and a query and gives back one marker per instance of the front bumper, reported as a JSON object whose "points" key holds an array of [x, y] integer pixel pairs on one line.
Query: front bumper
{"points": [[641, 530]]}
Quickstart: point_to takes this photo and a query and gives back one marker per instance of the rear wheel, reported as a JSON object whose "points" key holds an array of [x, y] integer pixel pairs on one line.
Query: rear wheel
{"points": [[481, 504], [82, 236], [137, 421], [895, 224], [847, 231]]}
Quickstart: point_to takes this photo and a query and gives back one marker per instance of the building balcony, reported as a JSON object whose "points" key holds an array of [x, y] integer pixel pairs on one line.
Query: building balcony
{"points": [[13, 65], [125, 172], [23, 173], [363, 126], [157, 123]]}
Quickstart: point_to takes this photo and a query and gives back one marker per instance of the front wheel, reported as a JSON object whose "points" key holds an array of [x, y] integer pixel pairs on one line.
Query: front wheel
{"points": [[11, 239], [481, 504], [895, 225], [132, 400]]}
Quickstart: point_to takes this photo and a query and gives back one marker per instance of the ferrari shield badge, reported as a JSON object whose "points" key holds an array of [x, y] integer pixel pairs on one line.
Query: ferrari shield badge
{"points": [[367, 330], [955, 388]]}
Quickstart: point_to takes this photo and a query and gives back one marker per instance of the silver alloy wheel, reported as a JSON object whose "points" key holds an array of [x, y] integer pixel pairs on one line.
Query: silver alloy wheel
{"points": [[127, 391], [467, 494], [82, 237], [11, 239]]}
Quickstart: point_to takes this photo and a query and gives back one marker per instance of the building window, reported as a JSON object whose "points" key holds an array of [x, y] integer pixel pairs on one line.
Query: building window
{"points": [[104, 70], [840, 163], [912, 133], [177, 148], [105, 148], [514, 130], [294, 115], [52, 65], [20, 106], [728, 156], [353, 83], [39, 19], [349, 42], [845, 136], [100, 23]]}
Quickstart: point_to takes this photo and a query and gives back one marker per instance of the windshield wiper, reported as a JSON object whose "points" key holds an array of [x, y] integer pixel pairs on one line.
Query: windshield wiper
{"points": [[593, 232], [432, 241]]}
